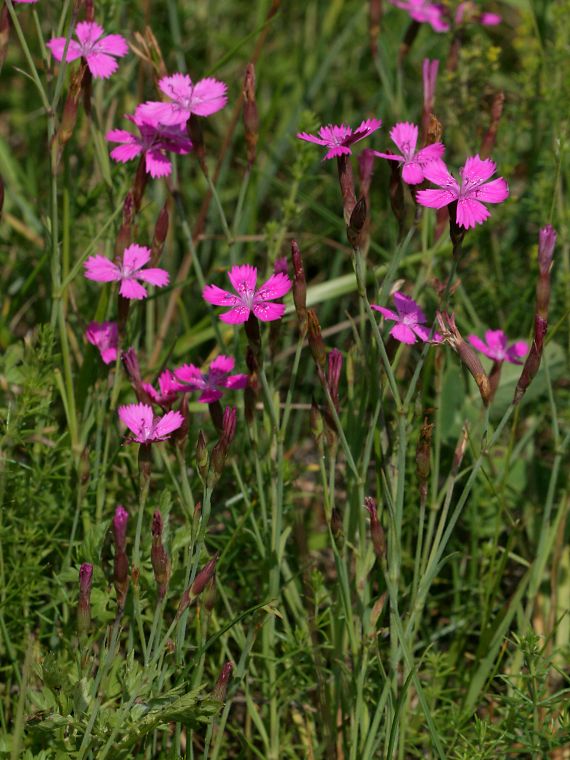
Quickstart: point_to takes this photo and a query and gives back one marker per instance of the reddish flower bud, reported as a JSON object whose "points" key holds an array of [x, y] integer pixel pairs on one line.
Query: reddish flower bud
{"points": [[200, 582], [346, 182], [158, 556], [120, 521], [124, 236], [356, 224], [333, 376], [376, 530], [221, 687], [316, 343], [467, 353], [84, 604], [220, 450], [202, 456]]}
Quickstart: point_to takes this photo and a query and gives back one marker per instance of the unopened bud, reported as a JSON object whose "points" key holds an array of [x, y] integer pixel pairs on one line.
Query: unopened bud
{"points": [[84, 604], [120, 522], [200, 582], [356, 223], [467, 353], [333, 375], [376, 530], [299, 286], [202, 457], [159, 236], [346, 182], [124, 236], [337, 527], [250, 114], [159, 557], [221, 687], [316, 342], [220, 450]]}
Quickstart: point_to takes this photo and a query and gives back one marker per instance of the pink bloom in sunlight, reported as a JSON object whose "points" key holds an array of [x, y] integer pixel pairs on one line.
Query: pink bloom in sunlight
{"points": [[168, 389], [105, 336], [410, 320], [212, 383], [154, 141], [98, 50], [474, 190], [145, 427], [247, 298], [405, 137], [102, 269], [203, 99], [496, 348], [424, 12], [339, 138]]}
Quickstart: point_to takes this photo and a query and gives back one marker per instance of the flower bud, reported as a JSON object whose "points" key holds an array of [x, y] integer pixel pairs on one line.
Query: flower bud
{"points": [[200, 583], [202, 457], [250, 114], [357, 222], [346, 182], [333, 376], [159, 236], [158, 556], [376, 530], [120, 521], [299, 286], [467, 353], [221, 687], [220, 450], [84, 604], [316, 343], [124, 236]]}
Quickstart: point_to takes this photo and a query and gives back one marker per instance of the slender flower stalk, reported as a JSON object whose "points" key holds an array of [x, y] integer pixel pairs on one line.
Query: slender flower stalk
{"points": [[121, 563], [84, 604], [159, 557]]}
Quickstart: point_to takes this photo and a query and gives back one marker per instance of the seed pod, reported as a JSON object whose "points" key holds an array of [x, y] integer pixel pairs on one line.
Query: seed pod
{"points": [[376, 529], [159, 557], [316, 342], [84, 604]]}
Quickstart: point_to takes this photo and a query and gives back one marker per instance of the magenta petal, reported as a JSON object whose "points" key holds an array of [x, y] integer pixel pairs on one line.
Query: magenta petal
{"points": [[208, 96], [405, 137], [422, 332], [190, 375], [236, 315], [222, 364], [151, 392], [135, 257], [478, 169], [101, 65], [311, 138], [136, 416], [517, 351], [276, 286], [237, 382], [267, 311], [177, 86], [479, 344], [113, 44], [210, 395], [470, 213], [124, 153], [389, 156], [156, 113], [154, 276], [336, 151], [435, 198], [412, 173], [403, 333], [218, 297], [57, 46], [496, 340], [88, 32], [430, 153], [167, 425], [243, 279], [101, 269], [495, 191], [490, 19], [109, 355], [131, 289], [387, 313], [157, 164], [406, 306]]}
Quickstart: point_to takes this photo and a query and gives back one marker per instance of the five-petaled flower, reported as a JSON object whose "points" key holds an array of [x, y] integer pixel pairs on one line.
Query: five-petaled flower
{"points": [[203, 99], [495, 347], [105, 337], [128, 272], [424, 12], [168, 389], [247, 298], [154, 141], [339, 137], [98, 50], [474, 190], [405, 137], [212, 383], [145, 427], [410, 320]]}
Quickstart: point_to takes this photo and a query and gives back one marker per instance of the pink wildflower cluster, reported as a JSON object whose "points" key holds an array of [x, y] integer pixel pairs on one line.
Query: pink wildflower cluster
{"points": [[437, 15]]}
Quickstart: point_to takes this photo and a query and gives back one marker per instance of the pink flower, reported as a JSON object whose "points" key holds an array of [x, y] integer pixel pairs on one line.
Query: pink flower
{"points": [[153, 142], [410, 320], [145, 427], [424, 12], [339, 138], [470, 194], [248, 299], [97, 50], [211, 383], [203, 99], [101, 269], [105, 336], [496, 347], [405, 137], [168, 389]]}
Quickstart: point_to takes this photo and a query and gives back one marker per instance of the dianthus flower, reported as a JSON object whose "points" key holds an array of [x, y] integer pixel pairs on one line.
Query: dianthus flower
{"points": [[203, 99], [410, 320], [128, 272], [405, 137], [474, 190], [212, 383], [145, 427], [424, 12], [247, 298], [495, 347], [154, 141], [105, 337], [339, 137], [168, 389], [98, 50]]}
